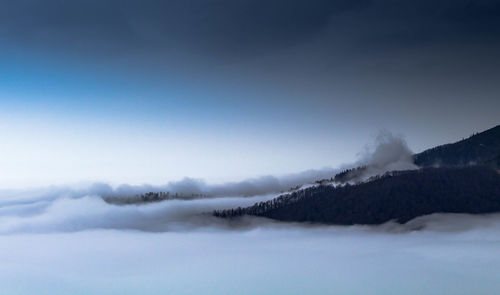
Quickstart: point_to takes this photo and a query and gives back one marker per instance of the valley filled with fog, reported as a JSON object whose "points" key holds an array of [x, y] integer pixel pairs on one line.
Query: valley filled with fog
{"points": [[100, 239], [63, 243]]}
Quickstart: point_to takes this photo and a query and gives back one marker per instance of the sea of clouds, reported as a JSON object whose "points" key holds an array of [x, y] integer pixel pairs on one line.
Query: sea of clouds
{"points": [[84, 245], [69, 240], [449, 254]]}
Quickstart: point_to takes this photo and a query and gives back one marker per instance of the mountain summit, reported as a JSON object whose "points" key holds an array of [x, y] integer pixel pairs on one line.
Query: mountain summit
{"points": [[479, 149]]}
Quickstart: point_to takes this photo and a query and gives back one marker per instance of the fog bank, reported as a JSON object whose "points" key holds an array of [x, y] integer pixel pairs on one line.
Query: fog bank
{"points": [[69, 244], [264, 260], [92, 212]]}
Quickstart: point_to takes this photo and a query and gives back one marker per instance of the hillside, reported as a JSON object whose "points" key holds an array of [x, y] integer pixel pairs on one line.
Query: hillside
{"points": [[482, 148], [399, 196], [479, 149]]}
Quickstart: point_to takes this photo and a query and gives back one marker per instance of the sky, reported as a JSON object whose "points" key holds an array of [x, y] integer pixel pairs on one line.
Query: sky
{"points": [[222, 90]]}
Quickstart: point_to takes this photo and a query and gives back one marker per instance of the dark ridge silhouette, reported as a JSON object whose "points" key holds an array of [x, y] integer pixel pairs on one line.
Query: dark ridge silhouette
{"points": [[349, 174], [479, 149], [399, 196], [150, 197]]}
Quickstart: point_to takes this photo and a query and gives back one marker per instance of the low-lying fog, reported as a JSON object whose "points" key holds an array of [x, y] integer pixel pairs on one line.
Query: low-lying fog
{"points": [[83, 245], [66, 240]]}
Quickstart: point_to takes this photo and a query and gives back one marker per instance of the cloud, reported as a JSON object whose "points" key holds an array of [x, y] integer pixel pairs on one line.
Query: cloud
{"points": [[223, 28], [389, 152], [281, 259], [62, 213], [186, 186], [63, 240], [230, 30], [74, 208], [77, 208]]}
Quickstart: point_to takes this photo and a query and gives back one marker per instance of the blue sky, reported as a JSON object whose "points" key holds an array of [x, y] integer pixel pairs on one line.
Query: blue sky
{"points": [[61, 124], [147, 92]]}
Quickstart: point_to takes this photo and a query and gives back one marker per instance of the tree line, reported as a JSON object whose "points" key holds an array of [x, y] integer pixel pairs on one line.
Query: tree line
{"points": [[399, 196]]}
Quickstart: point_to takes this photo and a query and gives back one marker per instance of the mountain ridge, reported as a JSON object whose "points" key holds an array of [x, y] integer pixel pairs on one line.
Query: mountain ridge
{"points": [[460, 177], [480, 148]]}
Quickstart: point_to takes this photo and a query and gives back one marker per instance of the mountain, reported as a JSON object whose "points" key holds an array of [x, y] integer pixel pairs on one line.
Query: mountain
{"points": [[481, 148], [460, 177], [399, 196]]}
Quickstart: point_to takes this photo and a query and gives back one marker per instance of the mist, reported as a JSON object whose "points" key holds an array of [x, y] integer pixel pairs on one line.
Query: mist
{"points": [[387, 152], [265, 259], [66, 214], [69, 240], [62, 243], [84, 207]]}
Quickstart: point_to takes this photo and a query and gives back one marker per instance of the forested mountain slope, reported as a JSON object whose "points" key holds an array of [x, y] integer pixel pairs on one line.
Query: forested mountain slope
{"points": [[399, 196], [481, 148]]}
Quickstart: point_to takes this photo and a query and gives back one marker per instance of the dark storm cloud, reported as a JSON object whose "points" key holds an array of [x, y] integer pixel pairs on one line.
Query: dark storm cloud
{"points": [[228, 29], [382, 60], [212, 27]]}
